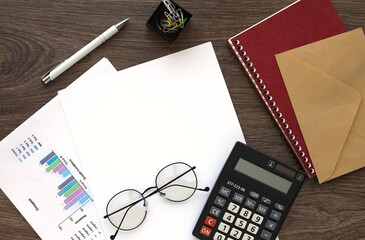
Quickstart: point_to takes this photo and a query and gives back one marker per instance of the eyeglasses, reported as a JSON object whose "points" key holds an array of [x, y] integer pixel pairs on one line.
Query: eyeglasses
{"points": [[127, 209]]}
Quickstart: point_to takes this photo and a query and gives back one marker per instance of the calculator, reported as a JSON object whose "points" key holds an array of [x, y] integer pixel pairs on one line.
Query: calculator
{"points": [[250, 199]]}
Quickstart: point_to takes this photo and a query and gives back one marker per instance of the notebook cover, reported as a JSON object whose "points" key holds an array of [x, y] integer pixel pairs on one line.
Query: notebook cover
{"points": [[300, 23]]}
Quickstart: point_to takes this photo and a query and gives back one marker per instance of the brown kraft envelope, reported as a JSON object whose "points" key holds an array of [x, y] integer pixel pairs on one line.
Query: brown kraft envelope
{"points": [[325, 81]]}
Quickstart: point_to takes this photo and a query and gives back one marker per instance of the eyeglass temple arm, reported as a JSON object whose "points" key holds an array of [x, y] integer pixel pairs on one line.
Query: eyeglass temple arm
{"points": [[206, 189], [149, 195], [112, 237]]}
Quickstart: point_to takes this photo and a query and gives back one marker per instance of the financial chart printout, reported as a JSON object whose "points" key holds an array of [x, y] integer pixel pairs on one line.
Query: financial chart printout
{"points": [[41, 174]]}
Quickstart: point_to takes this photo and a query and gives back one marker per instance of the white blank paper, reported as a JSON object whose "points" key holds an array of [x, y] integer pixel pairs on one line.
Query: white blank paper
{"points": [[129, 125]]}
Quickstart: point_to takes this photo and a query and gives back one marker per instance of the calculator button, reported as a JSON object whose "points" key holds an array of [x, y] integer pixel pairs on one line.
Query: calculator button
{"points": [[225, 191], [271, 164], [218, 236], [233, 207], [279, 206], [257, 218], [262, 209], [250, 203], [228, 217], [220, 201], [245, 213], [247, 237], [270, 225], [215, 211], [205, 231], [236, 233], [223, 227], [265, 235], [266, 200], [210, 221], [275, 215], [238, 198], [254, 195], [252, 228], [300, 177], [240, 223]]}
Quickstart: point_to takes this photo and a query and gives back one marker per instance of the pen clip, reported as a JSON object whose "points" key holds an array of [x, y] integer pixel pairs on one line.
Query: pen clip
{"points": [[45, 75]]}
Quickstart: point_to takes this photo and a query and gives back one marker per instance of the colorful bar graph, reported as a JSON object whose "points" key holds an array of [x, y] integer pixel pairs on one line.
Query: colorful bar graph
{"points": [[68, 187], [32, 150], [64, 184], [53, 165], [36, 148], [75, 200], [72, 196], [46, 158]]}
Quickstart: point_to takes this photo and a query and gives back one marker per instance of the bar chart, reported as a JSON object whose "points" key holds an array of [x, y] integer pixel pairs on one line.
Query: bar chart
{"points": [[73, 193], [45, 181]]}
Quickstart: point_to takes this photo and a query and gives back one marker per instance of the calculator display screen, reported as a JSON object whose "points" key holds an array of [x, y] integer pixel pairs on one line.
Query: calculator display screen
{"points": [[251, 170], [285, 170]]}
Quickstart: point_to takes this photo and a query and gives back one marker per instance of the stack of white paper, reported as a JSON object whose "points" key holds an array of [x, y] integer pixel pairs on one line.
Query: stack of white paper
{"points": [[119, 129], [128, 126]]}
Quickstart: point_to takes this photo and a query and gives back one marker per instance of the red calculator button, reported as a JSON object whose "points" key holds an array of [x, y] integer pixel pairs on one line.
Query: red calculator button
{"points": [[210, 221], [205, 231]]}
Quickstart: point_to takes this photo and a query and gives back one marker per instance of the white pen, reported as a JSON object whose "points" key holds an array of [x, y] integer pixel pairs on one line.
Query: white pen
{"points": [[63, 66]]}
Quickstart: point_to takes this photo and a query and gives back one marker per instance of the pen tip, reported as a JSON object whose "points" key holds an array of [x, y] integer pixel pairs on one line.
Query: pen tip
{"points": [[46, 78], [122, 23]]}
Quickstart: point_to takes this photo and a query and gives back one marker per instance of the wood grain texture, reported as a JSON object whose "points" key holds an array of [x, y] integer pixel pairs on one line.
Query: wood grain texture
{"points": [[36, 35]]}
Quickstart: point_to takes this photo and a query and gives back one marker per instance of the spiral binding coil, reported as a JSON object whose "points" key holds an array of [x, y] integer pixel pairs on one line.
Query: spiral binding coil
{"points": [[266, 94]]}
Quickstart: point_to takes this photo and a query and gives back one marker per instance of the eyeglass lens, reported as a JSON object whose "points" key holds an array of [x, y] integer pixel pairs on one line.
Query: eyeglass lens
{"points": [[130, 217], [182, 188]]}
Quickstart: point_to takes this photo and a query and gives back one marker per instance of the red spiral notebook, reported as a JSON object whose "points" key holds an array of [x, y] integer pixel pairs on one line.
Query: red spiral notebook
{"points": [[298, 24]]}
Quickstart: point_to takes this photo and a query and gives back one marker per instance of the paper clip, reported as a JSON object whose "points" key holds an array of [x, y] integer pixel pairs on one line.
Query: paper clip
{"points": [[175, 18], [181, 16], [171, 8], [169, 17], [167, 24], [173, 26]]}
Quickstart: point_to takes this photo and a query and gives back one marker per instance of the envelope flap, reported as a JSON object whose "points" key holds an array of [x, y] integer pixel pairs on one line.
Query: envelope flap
{"points": [[325, 108]]}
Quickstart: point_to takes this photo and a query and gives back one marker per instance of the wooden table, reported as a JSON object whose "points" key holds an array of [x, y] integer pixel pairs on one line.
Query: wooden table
{"points": [[36, 35]]}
